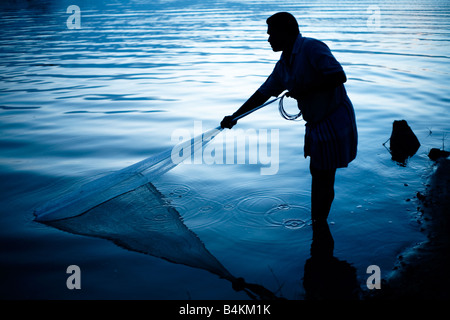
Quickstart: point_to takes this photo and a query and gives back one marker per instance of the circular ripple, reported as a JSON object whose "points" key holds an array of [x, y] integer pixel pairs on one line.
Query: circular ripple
{"points": [[294, 223], [288, 216], [177, 195], [204, 213], [180, 190], [258, 204], [228, 206]]}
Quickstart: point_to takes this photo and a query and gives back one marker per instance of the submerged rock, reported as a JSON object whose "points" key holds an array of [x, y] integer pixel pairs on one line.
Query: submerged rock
{"points": [[403, 141], [436, 154]]}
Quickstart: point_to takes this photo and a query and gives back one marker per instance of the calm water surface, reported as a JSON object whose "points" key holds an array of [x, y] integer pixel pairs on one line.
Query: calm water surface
{"points": [[79, 103]]}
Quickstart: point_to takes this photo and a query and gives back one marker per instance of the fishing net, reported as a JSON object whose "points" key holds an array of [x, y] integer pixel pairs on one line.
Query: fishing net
{"points": [[127, 209], [142, 220], [112, 185], [98, 191]]}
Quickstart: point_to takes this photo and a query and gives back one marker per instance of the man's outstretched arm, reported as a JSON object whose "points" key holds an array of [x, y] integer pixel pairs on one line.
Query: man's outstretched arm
{"points": [[254, 101]]}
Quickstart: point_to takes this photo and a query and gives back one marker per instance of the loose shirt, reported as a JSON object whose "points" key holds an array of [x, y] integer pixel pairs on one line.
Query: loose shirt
{"points": [[331, 135], [310, 61]]}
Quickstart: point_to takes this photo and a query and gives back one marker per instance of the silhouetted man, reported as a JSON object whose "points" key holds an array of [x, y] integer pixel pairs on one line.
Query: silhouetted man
{"points": [[311, 74]]}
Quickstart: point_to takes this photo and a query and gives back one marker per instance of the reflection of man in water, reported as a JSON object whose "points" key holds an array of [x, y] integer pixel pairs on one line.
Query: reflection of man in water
{"points": [[311, 74], [326, 277]]}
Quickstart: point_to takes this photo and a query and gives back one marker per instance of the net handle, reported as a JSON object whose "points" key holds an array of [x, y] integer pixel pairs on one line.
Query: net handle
{"points": [[281, 109], [257, 108]]}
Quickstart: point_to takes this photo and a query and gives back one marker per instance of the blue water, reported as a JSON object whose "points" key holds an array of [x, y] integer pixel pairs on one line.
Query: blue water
{"points": [[79, 103]]}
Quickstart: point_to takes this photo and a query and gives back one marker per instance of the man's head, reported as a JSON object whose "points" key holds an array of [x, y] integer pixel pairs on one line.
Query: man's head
{"points": [[282, 28]]}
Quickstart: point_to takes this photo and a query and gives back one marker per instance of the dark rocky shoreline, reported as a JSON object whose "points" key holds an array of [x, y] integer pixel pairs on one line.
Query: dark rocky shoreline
{"points": [[422, 272]]}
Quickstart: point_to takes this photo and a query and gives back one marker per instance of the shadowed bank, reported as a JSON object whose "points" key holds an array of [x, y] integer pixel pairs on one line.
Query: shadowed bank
{"points": [[422, 271]]}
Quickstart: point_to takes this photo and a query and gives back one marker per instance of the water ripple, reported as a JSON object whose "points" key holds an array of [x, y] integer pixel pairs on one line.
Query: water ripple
{"points": [[258, 203], [288, 216]]}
